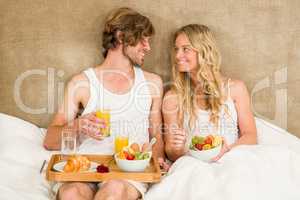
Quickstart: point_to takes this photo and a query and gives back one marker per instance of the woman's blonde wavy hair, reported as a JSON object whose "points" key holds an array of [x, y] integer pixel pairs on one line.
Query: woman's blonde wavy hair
{"points": [[208, 74]]}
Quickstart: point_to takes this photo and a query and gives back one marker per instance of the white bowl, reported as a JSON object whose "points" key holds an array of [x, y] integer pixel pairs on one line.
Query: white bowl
{"points": [[206, 155], [132, 165]]}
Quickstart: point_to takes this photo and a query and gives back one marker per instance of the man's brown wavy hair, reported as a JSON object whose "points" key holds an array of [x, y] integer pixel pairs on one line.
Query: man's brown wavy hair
{"points": [[131, 25]]}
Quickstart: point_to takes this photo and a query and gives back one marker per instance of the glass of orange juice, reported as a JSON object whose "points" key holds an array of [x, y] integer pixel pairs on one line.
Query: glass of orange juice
{"points": [[104, 115], [121, 140]]}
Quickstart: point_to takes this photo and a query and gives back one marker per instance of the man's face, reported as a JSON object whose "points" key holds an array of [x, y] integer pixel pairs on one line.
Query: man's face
{"points": [[137, 53]]}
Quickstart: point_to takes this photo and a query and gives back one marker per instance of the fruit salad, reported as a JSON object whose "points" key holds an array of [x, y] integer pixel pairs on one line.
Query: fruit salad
{"points": [[200, 143], [134, 152]]}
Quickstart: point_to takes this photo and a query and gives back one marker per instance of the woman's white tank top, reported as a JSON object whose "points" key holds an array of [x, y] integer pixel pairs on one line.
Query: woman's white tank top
{"points": [[227, 126], [129, 112]]}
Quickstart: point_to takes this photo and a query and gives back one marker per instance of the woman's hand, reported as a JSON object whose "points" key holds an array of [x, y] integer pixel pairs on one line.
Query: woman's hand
{"points": [[175, 143], [225, 148], [177, 139], [90, 125]]}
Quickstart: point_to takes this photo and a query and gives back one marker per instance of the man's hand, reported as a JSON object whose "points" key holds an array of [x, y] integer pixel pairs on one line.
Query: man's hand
{"points": [[90, 125], [164, 165]]}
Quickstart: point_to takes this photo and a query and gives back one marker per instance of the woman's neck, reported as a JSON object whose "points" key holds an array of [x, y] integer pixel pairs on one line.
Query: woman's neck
{"points": [[198, 85]]}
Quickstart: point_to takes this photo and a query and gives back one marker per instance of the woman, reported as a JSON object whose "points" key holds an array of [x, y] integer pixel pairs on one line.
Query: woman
{"points": [[202, 100]]}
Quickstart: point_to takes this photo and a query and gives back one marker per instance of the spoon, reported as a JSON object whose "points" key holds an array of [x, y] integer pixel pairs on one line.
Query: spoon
{"points": [[152, 142]]}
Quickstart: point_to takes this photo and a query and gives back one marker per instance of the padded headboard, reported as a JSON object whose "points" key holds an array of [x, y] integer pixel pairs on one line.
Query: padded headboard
{"points": [[44, 43]]}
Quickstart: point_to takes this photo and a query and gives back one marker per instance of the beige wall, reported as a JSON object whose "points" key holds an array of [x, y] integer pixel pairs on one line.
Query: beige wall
{"points": [[259, 40]]}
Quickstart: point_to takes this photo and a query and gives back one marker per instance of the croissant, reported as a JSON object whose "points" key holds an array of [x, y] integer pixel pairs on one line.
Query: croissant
{"points": [[77, 163]]}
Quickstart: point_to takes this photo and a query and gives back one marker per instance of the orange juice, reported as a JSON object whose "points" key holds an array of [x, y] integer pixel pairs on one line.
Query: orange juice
{"points": [[120, 142], [104, 115]]}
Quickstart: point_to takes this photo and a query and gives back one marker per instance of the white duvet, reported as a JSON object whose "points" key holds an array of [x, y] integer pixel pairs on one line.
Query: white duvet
{"points": [[268, 171], [21, 156]]}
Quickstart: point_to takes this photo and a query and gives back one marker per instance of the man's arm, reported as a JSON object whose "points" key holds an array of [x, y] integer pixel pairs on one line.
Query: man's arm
{"points": [[66, 113], [155, 117]]}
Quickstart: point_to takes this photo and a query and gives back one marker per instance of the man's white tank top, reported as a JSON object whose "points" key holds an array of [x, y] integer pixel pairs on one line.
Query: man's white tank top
{"points": [[129, 112], [227, 126]]}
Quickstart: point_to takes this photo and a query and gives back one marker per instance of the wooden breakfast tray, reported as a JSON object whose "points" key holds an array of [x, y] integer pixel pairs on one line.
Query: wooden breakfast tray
{"points": [[151, 174]]}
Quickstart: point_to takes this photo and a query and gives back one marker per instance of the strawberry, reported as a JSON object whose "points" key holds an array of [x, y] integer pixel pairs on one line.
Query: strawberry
{"points": [[208, 140], [198, 146], [129, 157], [126, 154]]}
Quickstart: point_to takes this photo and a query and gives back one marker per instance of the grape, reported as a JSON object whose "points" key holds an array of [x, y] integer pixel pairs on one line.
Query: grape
{"points": [[194, 140], [146, 156], [138, 156], [198, 140], [201, 140]]}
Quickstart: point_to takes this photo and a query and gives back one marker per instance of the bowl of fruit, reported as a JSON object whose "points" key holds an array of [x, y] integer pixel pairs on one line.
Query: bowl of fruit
{"points": [[133, 158], [205, 147]]}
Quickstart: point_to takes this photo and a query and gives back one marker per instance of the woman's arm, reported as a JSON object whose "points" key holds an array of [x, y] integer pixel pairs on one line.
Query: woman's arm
{"points": [[246, 122], [175, 137]]}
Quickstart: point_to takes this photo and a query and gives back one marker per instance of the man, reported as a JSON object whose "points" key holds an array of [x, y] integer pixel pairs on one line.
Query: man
{"points": [[132, 95]]}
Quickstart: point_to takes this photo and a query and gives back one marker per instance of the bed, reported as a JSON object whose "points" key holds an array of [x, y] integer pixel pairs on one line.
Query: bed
{"points": [[269, 170], [22, 154], [21, 157]]}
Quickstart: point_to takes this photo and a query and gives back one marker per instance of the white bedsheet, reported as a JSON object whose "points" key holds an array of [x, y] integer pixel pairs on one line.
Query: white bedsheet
{"points": [[21, 156], [267, 171], [20, 181], [270, 170]]}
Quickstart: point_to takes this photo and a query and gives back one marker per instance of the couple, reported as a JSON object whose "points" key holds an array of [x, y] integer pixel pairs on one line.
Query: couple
{"points": [[200, 100]]}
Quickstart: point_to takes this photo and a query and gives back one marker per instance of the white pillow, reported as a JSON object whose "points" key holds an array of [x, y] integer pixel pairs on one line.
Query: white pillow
{"points": [[21, 141], [270, 134]]}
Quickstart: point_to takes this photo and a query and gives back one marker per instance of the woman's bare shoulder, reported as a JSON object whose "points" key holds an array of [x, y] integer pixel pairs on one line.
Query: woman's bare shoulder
{"points": [[238, 88], [171, 94], [170, 100]]}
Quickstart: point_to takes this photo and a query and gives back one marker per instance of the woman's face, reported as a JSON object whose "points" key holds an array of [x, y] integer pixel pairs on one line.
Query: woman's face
{"points": [[185, 56]]}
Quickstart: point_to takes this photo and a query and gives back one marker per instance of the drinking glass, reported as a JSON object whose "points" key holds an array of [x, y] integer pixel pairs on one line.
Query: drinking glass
{"points": [[104, 114], [121, 140], [68, 142]]}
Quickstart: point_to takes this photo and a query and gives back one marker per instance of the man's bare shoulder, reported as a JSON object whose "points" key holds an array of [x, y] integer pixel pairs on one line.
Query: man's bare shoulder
{"points": [[153, 78], [77, 78], [79, 82], [155, 84], [79, 86]]}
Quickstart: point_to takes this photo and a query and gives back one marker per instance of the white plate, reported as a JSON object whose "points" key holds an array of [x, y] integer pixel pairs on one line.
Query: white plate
{"points": [[60, 166]]}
